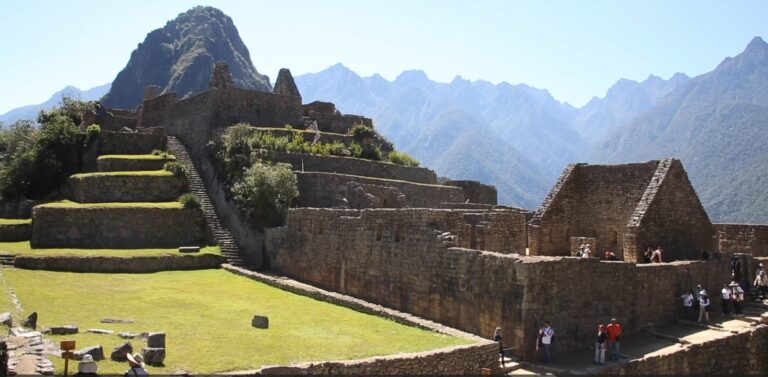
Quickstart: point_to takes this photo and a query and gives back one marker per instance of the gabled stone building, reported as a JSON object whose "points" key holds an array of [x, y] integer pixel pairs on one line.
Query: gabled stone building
{"points": [[625, 208]]}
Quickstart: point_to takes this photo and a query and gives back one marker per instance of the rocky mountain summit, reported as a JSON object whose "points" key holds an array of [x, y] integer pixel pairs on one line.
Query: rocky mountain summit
{"points": [[180, 58]]}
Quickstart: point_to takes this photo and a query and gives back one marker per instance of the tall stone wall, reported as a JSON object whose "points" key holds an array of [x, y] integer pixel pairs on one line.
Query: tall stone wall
{"points": [[407, 260], [317, 189], [353, 166], [590, 201], [742, 238], [476, 192], [131, 142], [674, 218], [116, 228], [125, 188]]}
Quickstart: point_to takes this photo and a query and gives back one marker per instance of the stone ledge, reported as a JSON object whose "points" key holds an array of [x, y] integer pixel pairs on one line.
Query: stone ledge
{"points": [[15, 232], [116, 264]]}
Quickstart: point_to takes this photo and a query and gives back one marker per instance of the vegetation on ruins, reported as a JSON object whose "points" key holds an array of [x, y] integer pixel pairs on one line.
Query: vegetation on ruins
{"points": [[189, 201], [157, 153], [402, 158], [178, 169], [93, 131], [36, 161], [302, 329], [265, 191], [153, 156]]}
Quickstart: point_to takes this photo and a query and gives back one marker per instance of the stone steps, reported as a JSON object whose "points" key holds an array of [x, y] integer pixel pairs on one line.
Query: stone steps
{"points": [[7, 259], [221, 235]]}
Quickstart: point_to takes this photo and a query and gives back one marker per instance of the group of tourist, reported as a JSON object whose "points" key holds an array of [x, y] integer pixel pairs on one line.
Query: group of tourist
{"points": [[654, 255], [608, 336], [585, 251], [88, 368]]}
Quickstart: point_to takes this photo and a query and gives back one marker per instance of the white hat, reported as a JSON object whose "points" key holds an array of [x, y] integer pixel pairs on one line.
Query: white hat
{"points": [[136, 359], [703, 292], [87, 365]]}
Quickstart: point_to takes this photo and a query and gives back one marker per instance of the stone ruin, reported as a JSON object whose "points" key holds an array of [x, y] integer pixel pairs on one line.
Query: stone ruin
{"points": [[221, 79], [284, 85]]}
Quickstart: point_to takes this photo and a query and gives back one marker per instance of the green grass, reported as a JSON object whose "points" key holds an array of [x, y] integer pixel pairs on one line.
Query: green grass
{"points": [[206, 316], [23, 248], [71, 204], [15, 221], [143, 173], [136, 157]]}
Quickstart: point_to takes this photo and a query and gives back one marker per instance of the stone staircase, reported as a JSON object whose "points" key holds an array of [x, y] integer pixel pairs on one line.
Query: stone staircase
{"points": [[221, 235], [6, 259]]}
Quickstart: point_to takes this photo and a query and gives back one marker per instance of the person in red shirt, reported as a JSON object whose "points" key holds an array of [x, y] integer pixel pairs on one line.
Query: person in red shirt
{"points": [[614, 337]]}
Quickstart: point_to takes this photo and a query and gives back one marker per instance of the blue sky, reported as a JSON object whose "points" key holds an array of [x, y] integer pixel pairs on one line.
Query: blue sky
{"points": [[574, 49]]}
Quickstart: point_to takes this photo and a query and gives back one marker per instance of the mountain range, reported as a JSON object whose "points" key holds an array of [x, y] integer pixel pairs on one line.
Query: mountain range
{"points": [[30, 112], [515, 137]]}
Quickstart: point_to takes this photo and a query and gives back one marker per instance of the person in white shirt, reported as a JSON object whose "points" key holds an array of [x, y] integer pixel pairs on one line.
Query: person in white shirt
{"points": [[703, 306], [725, 299], [547, 335], [687, 298], [737, 297], [587, 252]]}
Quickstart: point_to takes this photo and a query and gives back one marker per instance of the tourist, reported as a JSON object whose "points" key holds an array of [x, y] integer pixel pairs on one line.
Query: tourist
{"points": [[136, 364], [736, 268], [687, 299], [587, 252], [759, 269], [696, 298], [725, 299], [581, 250], [647, 255], [761, 283], [614, 338], [703, 307], [86, 367], [656, 255], [547, 336], [497, 338], [609, 255], [704, 254], [602, 336], [737, 297], [3, 358]]}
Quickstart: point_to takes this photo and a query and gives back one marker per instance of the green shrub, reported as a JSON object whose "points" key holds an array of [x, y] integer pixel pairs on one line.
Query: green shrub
{"points": [[93, 131], [189, 201], [402, 158], [360, 132], [178, 169], [265, 191]]}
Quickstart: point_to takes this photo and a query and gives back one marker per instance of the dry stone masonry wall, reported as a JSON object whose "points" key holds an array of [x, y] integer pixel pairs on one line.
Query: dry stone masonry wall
{"points": [[131, 142], [742, 238], [118, 264], [15, 232], [125, 188], [130, 164], [476, 192]]}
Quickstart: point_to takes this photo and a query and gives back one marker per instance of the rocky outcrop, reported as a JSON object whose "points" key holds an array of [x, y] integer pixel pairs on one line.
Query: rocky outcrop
{"points": [[180, 58]]}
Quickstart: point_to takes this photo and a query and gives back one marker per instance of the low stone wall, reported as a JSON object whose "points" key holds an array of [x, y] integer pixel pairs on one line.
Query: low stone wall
{"points": [[740, 354], [130, 164], [117, 264], [15, 232], [117, 228], [328, 190], [340, 124], [476, 192], [125, 188], [464, 360], [469, 359], [353, 166], [742, 238], [111, 142]]}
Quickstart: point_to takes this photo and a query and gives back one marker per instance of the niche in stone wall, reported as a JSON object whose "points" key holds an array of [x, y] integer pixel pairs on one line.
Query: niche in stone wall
{"points": [[397, 233], [379, 231]]}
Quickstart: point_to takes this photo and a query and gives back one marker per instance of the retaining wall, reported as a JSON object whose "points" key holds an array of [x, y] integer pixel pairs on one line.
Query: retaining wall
{"points": [[15, 232], [476, 192], [130, 164], [353, 166], [117, 264], [117, 228], [318, 189], [111, 142], [125, 188]]}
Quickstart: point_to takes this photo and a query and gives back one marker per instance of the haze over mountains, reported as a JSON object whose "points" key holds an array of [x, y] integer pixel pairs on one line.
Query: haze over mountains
{"points": [[515, 137]]}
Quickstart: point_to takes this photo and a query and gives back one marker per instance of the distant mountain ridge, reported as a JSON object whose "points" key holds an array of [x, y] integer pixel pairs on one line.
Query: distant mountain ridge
{"points": [[30, 112], [180, 56]]}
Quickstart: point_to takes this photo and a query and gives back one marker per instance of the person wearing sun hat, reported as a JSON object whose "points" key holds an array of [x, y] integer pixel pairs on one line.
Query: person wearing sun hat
{"points": [[87, 367], [136, 363]]}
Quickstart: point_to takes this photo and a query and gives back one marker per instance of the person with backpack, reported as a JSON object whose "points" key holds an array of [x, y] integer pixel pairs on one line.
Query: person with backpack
{"points": [[737, 297], [704, 307], [602, 337], [614, 338], [761, 283], [725, 299], [499, 339], [547, 337], [688, 300]]}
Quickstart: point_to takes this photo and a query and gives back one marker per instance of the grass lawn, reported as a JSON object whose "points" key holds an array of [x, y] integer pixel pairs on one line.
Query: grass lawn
{"points": [[206, 316], [143, 173], [23, 248], [15, 221], [71, 204], [136, 157]]}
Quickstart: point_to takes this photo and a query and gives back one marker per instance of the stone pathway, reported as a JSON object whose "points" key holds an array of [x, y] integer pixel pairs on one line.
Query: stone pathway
{"points": [[27, 352]]}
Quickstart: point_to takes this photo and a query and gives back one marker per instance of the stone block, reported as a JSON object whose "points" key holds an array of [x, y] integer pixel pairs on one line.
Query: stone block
{"points": [[156, 340], [97, 352], [6, 319], [153, 356], [120, 352], [64, 330], [31, 321], [189, 249], [260, 322]]}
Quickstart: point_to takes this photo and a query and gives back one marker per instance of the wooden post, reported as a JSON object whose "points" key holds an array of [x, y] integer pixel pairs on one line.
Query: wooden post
{"points": [[67, 346]]}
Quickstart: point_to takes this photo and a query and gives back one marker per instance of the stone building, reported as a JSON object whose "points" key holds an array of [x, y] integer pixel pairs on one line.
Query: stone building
{"points": [[625, 208]]}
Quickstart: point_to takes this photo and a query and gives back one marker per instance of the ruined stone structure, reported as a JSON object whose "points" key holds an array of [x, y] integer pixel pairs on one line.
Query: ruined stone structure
{"points": [[742, 238], [626, 208], [221, 78], [284, 85], [476, 192]]}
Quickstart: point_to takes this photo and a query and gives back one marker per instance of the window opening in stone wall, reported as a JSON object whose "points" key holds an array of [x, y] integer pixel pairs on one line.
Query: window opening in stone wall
{"points": [[309, 225], [567, 234], [384, 203], [320, 227], [473, 238], [379, 230], [397, 233]]}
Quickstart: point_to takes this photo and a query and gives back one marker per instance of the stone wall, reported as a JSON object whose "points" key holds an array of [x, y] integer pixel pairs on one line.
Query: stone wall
{"points": [[476, 192], [339, 124], [407, 260], [740, 354], [353, 166], [130, 164], [125, 188], [15, 232], [116, 228], [742, 238], [130, 142], [117, 264], [460, 360], [318, 189]]}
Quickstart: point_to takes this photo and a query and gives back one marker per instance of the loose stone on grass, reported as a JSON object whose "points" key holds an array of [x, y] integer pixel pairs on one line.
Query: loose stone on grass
{"points": [[153, 356], [129, 335], [114, 320], [63, 330], [97, 352], [156, 340], [100, 331], [6, 319], [120, 353], [260, 322]]}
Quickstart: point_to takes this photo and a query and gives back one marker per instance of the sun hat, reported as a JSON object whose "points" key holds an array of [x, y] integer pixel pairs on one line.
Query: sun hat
{"points": [[136, 359], [87, 365]]}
